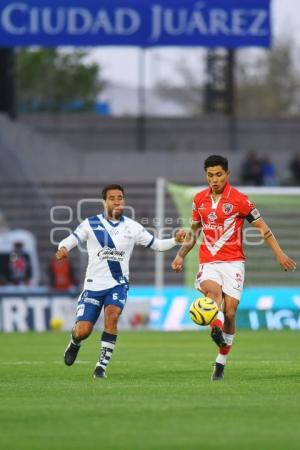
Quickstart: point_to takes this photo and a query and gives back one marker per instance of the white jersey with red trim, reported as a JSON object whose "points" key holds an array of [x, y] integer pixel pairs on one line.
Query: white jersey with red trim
{"points": [[222, 224]]}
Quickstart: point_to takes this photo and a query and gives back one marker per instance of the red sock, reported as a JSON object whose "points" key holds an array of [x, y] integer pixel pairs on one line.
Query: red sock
{"points": [[225, 350], [217, 323]]}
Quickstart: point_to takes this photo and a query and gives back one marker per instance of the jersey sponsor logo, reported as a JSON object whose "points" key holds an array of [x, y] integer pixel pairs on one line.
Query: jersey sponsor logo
{"points": [[227, 208], [229, 227], [92, 301], [111, 254], [212, 216], [212, 226]]}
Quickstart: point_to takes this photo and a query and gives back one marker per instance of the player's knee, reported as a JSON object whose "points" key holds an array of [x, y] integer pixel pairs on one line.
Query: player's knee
{"points": [[112, 318], [82, 330]]}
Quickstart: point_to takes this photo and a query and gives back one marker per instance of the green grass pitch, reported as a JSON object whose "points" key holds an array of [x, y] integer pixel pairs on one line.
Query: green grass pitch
{"points": [[158, 394]]}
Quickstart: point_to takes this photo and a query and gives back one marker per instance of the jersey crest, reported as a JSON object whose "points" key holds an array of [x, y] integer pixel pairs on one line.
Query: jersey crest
{"points": [[227, 208]]}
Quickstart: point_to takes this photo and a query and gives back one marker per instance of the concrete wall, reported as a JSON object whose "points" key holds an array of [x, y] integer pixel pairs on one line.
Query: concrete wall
{"points": [[90, 148], [212, 134]]}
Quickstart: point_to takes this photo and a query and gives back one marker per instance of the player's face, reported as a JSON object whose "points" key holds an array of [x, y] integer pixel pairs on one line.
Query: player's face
{"points": [[114, 203], [217, 178]]}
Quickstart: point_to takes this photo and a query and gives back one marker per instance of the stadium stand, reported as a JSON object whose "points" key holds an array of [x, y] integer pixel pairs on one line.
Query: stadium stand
{"points": [[38, 171], [21, 208]]}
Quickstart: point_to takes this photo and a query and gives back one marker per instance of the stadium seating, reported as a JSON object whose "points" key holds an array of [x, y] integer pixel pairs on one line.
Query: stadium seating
{"points": [[39, 171], [28, 207]]}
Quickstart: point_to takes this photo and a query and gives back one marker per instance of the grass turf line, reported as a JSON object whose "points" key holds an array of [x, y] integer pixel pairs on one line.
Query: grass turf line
{"points": [[158, 394]]}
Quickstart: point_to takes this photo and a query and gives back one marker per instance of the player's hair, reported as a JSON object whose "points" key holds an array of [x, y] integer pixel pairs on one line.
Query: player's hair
{"points": [[111, 187], [216, 160]]}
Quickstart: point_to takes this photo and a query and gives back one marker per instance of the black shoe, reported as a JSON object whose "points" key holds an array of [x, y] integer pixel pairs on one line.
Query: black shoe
{"points": [[218, 372], [71, 353], [99, 372], [217, 336]]}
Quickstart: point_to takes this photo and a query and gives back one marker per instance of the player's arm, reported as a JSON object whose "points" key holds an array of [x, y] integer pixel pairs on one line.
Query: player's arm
{"points": [[188, 244], [80, 235], [146, 239], [162, 245], [284, 260]]}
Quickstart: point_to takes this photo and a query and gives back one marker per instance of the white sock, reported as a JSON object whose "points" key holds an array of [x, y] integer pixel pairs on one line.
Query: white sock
{"points": [[228, 338], [221, 359], [220, 316], [107, 349]]}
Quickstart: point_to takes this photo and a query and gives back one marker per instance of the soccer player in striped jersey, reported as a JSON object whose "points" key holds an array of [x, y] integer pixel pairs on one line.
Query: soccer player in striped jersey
{"points": [[219, 212], [110, 239]]}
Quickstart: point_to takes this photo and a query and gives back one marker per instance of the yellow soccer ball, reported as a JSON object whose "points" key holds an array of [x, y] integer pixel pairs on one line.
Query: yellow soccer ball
{"points": [[56, 323], [203, 311]]}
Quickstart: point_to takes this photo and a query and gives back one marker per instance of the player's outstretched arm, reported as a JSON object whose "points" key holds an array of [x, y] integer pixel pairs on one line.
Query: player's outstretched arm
{"points": [[189, 242], [162, 245], [284, 260]]}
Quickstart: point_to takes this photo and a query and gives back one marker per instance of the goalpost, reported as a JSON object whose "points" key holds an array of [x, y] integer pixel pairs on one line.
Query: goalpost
{"points": [[160, 216]]}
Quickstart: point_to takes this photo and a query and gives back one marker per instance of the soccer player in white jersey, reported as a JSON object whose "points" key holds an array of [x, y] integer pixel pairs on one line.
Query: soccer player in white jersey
{"points": [[219, 211], [110, 240]]}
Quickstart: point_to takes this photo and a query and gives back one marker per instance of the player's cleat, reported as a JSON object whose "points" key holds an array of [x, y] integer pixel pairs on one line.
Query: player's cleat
{"points": [[217, 336], [99, 372], [71, 353], [218, 372]]}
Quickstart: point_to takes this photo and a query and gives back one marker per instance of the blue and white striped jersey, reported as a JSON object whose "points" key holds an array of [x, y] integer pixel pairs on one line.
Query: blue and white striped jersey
{"points": [[109, 246]]}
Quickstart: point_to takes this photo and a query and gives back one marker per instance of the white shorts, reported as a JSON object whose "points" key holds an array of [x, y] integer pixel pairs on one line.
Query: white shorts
{"points": [[230, 275]]}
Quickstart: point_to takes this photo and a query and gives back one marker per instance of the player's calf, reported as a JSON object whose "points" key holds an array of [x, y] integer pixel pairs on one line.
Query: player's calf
{"points": [[80, 332]]}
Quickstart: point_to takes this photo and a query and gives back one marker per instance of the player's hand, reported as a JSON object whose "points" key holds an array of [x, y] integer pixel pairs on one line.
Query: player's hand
{"points": [[62, 253], [180, 236], [286, 262], [177, 263]]}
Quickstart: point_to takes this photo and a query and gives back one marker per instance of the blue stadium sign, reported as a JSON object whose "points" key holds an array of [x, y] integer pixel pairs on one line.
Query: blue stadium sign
{"points": [[142, 23]]}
